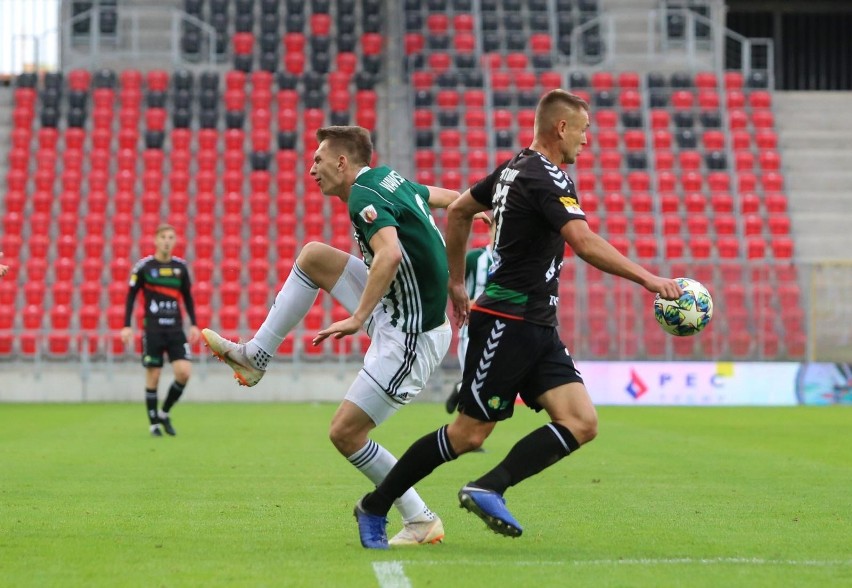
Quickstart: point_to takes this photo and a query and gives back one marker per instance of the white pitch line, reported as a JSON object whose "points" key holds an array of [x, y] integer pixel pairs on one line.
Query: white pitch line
{"points": [[390, 574], [751, 561]]}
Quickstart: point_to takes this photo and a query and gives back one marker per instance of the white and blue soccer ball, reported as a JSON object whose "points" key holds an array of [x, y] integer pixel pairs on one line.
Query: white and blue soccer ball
{"points": [[687, 315]]}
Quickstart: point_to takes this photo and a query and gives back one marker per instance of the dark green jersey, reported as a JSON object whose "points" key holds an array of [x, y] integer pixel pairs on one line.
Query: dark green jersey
{"points": [[417, 298]]}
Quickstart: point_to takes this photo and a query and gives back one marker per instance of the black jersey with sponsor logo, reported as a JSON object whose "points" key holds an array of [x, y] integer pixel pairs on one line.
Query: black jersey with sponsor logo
{"points": [[164, 284], [532, 199]]}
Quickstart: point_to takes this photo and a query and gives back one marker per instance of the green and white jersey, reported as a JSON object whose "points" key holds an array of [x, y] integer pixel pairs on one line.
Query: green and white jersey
{"points": [[477, 266], [417, 298]]}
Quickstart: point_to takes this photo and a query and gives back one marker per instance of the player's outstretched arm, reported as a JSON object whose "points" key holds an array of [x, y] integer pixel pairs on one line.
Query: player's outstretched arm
{"points": [[4, 269], [597, 251], [441, 197]]}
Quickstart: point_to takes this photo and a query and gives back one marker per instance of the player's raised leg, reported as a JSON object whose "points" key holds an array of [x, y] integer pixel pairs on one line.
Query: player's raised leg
{"points": [[317, 266]]}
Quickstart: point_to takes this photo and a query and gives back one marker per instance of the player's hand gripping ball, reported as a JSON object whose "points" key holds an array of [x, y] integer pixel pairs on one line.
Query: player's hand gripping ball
{"points": [[687, 315]]}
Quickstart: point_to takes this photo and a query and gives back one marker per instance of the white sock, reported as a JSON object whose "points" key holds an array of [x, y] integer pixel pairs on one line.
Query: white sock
{"points": [[162, 415], [375, 462], [292, 303], [349, 286]]}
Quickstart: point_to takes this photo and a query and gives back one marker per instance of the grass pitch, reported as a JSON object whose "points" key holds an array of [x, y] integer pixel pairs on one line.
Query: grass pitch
{"points": [[255, 495]]}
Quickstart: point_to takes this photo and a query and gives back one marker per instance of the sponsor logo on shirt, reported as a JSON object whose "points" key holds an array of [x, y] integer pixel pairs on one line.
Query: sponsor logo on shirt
{"points": [[571, 205]]}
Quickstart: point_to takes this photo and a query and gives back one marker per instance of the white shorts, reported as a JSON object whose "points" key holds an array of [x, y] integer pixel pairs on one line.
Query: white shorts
{"points": [[397, 366]]}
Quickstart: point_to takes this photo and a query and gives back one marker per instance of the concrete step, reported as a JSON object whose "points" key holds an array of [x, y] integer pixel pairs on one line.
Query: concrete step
{"points": [[829, 223], [819, 180], [807, 160], [814, 247], [805, 111], [787, 100], [832, 201], [800, 120], [811, 139]]}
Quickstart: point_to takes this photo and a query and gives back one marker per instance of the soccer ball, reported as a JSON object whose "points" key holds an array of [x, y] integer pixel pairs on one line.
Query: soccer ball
{"points": [[687, 315]]}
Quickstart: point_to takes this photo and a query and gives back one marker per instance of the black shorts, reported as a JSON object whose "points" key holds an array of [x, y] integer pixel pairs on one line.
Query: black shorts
{"points": [[172, 343], [507, 357]]}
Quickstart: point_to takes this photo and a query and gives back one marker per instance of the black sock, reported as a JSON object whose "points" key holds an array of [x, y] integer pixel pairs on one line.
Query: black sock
{"points": [[151, 405], [175, 390], [540, 449], [422, 457]]}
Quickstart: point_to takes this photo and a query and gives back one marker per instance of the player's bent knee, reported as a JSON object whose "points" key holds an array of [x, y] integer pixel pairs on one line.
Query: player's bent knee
{"points": [[584, 429], [346, 440], [182, 374], [467, 439]]}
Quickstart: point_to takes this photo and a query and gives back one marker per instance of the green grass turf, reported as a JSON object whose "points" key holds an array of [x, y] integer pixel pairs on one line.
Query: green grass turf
{"points": [[255, 495]]}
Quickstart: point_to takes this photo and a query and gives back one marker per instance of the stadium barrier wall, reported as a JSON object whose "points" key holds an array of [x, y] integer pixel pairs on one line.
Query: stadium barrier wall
{"points": [[626, 383]]}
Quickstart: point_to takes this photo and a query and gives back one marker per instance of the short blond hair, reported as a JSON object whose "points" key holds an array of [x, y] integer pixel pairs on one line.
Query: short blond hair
{"points": [[548, 109], [164, 227], [354, 141]]}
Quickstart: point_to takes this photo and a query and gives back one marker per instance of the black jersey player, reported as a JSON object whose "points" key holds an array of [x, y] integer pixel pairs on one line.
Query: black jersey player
{"points": [[514, 344], [164, 281]]}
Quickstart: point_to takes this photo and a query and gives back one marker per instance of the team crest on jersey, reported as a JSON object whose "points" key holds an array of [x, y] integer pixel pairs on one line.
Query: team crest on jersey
{"points": [[571, 205], [369, 214]]}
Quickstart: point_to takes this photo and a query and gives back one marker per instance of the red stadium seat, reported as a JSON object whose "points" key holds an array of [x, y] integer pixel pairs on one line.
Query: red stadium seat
{"points": [[776, 202], [728, 247], [682, 99], [608, 139], [772, 181], [737, 119], [743, 161], [755, 248], [605, 119], [782, 247], [700, 247], [674, 247], [663, 160], [721, 202], [763, 119], [697, 224], [630, 100], [641, 201], [662, 139], [766, 139], [705, 80]]}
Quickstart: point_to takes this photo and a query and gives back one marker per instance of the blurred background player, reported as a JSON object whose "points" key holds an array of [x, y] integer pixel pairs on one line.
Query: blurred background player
{"points": [[164, 281], [400, 302], [477, 264]]}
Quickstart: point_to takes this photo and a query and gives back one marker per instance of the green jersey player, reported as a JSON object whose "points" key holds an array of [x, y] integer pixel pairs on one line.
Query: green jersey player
{"points": [[397, 293]]}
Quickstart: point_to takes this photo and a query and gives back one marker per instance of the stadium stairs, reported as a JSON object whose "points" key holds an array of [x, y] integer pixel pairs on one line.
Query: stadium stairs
{"points": [[817, 153]]}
